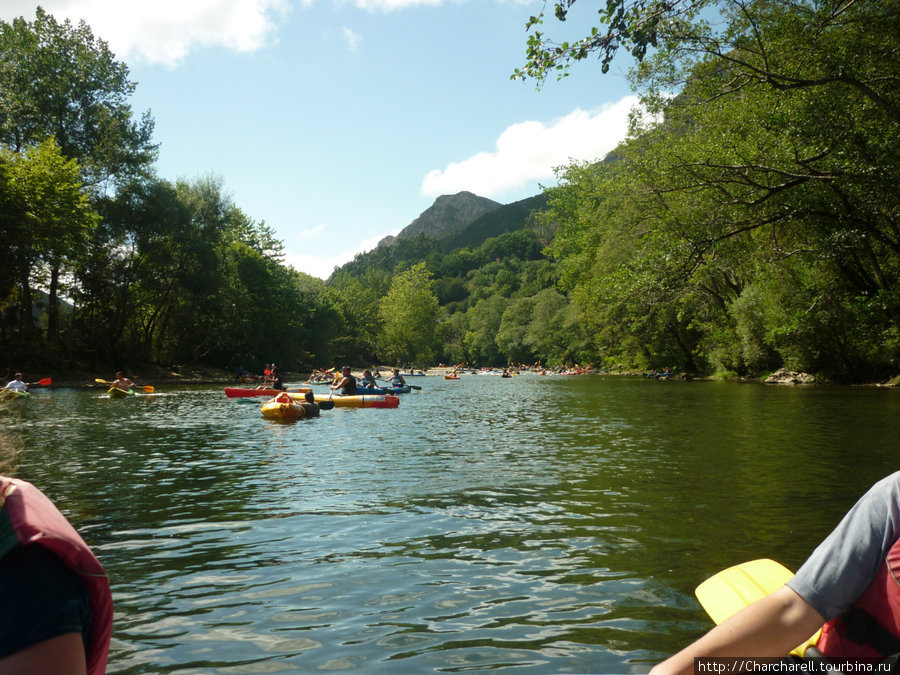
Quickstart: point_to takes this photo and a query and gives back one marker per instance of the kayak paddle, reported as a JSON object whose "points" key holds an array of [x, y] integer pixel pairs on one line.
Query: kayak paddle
{"points": [[145, 387], [732, 589], [45, 382], [329, 404]]}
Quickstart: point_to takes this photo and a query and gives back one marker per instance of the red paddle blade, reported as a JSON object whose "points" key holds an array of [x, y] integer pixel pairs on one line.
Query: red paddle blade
{"points": [[45, 382]]}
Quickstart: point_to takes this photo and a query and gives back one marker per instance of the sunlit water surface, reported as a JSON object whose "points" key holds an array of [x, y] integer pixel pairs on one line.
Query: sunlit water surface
{"points": [[529, 525]]}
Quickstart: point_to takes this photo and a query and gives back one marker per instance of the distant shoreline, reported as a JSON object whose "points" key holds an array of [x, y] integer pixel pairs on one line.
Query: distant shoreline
{"points": [[200, 375]]}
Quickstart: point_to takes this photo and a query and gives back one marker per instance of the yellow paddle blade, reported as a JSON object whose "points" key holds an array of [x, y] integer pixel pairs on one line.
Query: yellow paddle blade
{"points": [[99, 381], [732, 589], [148, 388], [736, 587]]}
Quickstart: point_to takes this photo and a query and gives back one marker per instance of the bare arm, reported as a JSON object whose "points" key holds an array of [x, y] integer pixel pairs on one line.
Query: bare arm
{"points": [[63, 655], [772, 626]]}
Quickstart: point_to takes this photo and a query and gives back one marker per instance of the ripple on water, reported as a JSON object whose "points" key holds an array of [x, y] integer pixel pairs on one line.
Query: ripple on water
{"points": [[533, 524]]}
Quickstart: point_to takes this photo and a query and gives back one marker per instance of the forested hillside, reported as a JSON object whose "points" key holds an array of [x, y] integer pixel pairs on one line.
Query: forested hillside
{"points": [[497, 296], [749, 222]]}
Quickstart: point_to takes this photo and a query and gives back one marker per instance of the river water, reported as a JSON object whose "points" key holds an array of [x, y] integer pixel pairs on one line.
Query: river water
{"points": [[526, 525]]}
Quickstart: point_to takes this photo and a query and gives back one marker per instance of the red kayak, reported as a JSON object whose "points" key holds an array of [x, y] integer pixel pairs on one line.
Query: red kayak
{"points": [[240, 392]]}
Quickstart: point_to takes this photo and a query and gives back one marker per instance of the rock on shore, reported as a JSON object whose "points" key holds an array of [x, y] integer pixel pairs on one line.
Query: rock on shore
{"points": [[785, 376]]}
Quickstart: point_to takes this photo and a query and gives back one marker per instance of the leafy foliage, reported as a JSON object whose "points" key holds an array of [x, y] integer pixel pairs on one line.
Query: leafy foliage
{"points": [[409, 315], [756, 225], [58, 80], [749, 221]]}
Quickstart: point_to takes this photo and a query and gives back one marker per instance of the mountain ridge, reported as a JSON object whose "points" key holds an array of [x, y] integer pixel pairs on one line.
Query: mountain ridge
{"points": [[447, 216]]}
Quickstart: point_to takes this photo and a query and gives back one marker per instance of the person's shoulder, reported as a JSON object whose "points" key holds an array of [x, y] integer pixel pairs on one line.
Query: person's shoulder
{"points": [[882, 500], [888, 484]]}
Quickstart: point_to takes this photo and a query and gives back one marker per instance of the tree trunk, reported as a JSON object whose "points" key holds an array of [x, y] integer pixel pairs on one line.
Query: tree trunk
{"points": [[53, 307]]}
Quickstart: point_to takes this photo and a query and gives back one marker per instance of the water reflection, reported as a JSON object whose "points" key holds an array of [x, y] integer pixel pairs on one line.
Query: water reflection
{"points": [[541, 524]]}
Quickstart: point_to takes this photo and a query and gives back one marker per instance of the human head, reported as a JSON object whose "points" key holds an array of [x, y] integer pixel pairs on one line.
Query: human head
{"points": [[396, 371], [119, 374], [18, 376], [310, 397], [345, 370]]}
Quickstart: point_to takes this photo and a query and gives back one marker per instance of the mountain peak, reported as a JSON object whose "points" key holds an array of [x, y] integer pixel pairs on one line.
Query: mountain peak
{"points": [[447, 216]]}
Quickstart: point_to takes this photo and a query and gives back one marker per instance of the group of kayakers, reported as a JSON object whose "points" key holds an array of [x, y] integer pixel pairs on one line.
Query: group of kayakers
{"points": [[349, 385], [19, 386], [271, 379]]}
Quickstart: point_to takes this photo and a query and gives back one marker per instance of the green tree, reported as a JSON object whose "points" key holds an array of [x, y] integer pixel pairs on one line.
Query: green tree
{"points": [[772, 169], [548, 334], [451, 333], [484, 319], [59, 80], [409, 314], [184, 275], [514, 324], [49, 223], [359, 299]]}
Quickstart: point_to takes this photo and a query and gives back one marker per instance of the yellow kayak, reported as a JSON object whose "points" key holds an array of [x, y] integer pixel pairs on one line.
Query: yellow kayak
{"points": [[361, 401], [115, 392], [283, 407]]}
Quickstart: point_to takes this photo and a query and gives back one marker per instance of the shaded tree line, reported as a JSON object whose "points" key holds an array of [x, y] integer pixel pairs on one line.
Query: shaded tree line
{"points": [[748, 222], [111, 265], [751, 220], [107, 263]]}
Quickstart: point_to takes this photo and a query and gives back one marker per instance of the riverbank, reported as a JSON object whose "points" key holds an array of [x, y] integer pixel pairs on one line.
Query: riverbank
{"points": [[201, 375], [182, 375]]}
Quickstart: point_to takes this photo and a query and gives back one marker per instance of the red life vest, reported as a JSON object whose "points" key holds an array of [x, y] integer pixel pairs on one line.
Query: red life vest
{"points": [[854, 634], [36, 521]]}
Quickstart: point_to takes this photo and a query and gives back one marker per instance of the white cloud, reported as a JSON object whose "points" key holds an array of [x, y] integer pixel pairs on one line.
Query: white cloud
{"points": [[529, 151], [353, 39], [164, 31], [323, 266], [312, 233], [391, 5]]}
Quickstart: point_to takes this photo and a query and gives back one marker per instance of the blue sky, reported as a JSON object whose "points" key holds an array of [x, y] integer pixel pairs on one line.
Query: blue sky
{"points": [[337, 122]]}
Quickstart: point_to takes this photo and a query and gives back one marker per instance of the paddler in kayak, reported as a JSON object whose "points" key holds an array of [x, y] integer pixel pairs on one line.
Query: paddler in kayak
{"points": [[17, 385], [122, 382], [347, 383], [397, 379], [367, 381], [848, 584]]}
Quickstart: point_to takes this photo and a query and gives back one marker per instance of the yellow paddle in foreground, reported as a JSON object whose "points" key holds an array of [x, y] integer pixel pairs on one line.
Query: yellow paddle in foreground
{"points": [[146, 387], [732, 589]]}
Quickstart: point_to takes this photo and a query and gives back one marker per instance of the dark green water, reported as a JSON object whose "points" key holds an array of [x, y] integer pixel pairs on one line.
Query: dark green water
{"points": [[532, 525]]}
